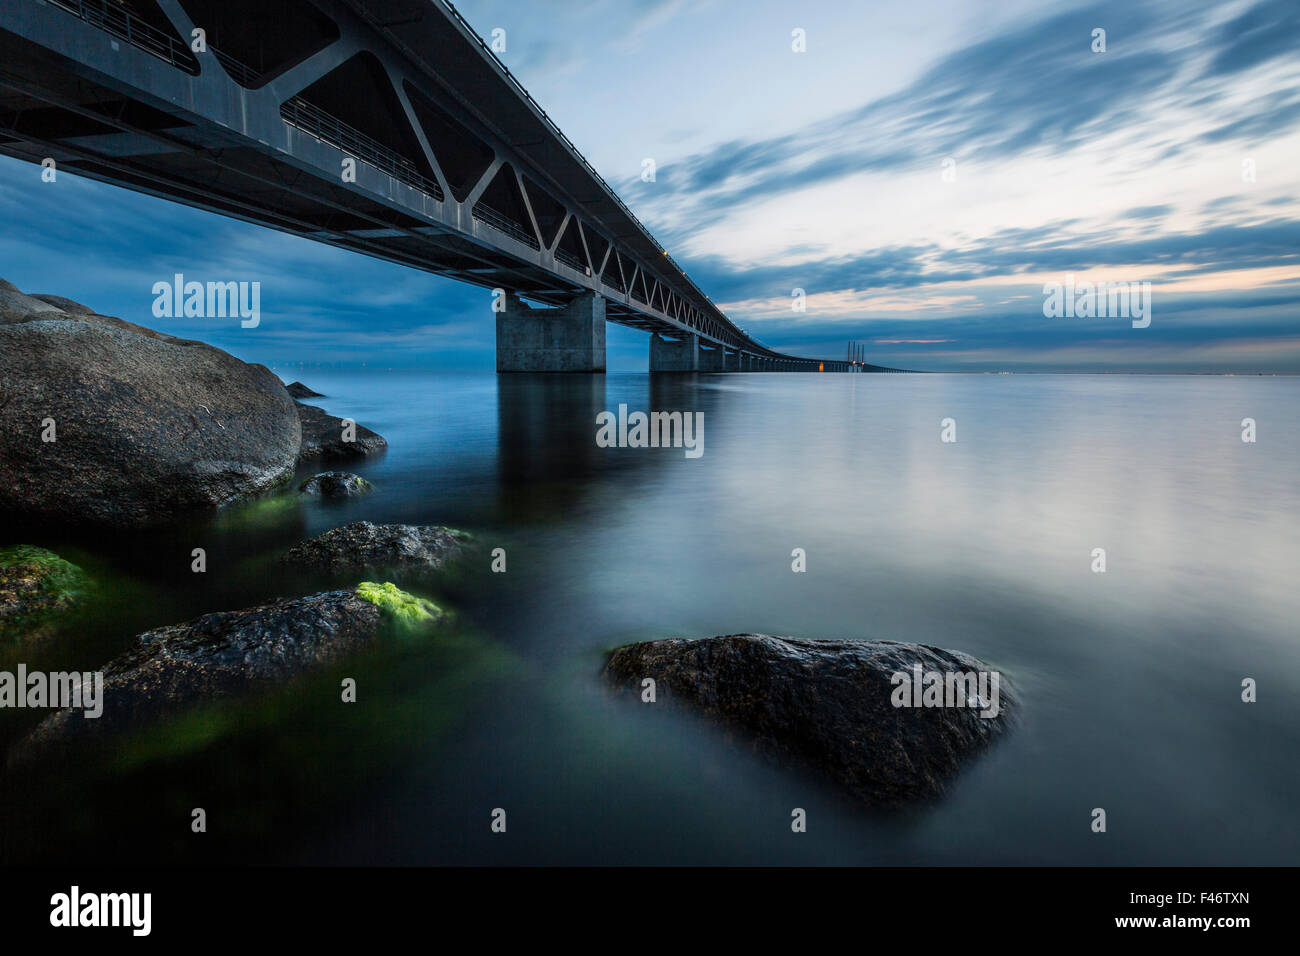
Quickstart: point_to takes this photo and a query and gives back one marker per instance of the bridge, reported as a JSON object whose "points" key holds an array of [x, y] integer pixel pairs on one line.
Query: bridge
{"points": [[382, 126]]}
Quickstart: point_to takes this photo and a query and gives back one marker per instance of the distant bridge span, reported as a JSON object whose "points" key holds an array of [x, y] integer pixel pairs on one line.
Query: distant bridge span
{"points": [[382, 126]]}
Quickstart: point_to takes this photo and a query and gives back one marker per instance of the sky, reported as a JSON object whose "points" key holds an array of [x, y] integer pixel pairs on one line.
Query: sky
{"points": [[922, 172]]}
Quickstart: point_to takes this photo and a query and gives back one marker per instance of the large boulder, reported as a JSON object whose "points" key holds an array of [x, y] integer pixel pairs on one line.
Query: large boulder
{"points": [[146, 426], [36, 588], [325, 436], [232, 654], [829, 706], [361, 545]]}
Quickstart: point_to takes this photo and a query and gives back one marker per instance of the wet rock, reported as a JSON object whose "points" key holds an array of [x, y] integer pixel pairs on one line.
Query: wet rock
{"points": [[299, 390], [147, 426], [828, 706], [326, 437], [336, 484], [362, 545], [232, 654], [36, 586]]}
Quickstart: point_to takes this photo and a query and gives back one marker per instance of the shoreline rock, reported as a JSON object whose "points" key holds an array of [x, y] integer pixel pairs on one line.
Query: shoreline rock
{"points": [[298, 390], [117, 425], [825, 706], [336, 484], [231, 654], [324, 437], [362, 545]]}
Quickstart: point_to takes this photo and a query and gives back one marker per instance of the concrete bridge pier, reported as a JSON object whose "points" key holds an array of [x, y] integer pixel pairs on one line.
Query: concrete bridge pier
{"points": [[675, 355], [713, 359], [731, 360], [566, 339]]}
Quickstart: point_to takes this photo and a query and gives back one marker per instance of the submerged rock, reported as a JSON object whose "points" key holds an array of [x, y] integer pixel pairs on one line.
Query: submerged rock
{"points": [[328, 437], [119, 425], [35, 587], [828, 706], [362, 545], [336, 484], [299, 390], [233, 653]]}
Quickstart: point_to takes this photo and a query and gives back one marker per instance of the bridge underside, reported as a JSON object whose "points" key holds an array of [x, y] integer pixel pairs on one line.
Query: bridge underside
{"points": [[380, 126]]}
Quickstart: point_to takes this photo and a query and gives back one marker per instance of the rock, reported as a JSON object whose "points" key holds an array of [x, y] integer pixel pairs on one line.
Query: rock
{"points": [[66, 305], [825, 706], [148, 426], [35, 587], [364, 545], [299, 390], [336, 484], [323, 437], [231, 654], [15, 306]]}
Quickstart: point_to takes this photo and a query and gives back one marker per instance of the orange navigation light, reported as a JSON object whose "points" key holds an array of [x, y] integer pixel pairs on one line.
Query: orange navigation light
{"points": [[821, 366]]}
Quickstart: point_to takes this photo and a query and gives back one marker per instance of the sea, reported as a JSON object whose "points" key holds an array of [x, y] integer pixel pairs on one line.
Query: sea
{"points": [[1109, 543]]}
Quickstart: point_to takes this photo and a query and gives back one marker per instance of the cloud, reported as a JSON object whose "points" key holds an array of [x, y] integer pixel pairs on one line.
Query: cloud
{"points": [[1265, 32]]}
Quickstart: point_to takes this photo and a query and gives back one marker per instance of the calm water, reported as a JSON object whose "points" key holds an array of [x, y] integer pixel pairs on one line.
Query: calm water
{"points": [[1131, 679]]}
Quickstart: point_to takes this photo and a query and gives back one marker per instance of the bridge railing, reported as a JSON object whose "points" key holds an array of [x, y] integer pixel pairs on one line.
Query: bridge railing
{"points": [[503, 223], [570, 260], [328, 128], [241, 73], [119, 21]]}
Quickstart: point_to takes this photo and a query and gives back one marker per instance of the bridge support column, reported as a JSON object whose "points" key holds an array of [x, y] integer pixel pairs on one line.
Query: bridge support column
{"points": [[713, 359], [681, 355], [731, 360], [567, 339]]}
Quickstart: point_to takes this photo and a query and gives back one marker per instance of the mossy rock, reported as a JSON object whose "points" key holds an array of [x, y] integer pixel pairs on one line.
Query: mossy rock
{"points": [[236, 654], [36, 586]]}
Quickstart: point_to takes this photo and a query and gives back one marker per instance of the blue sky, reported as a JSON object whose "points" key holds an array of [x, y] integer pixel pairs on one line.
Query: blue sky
{"points": [[823, 170]]}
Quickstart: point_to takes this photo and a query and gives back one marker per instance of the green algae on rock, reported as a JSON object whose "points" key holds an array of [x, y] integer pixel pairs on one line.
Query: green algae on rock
{"points": [[36, 585], [402, 606]]}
